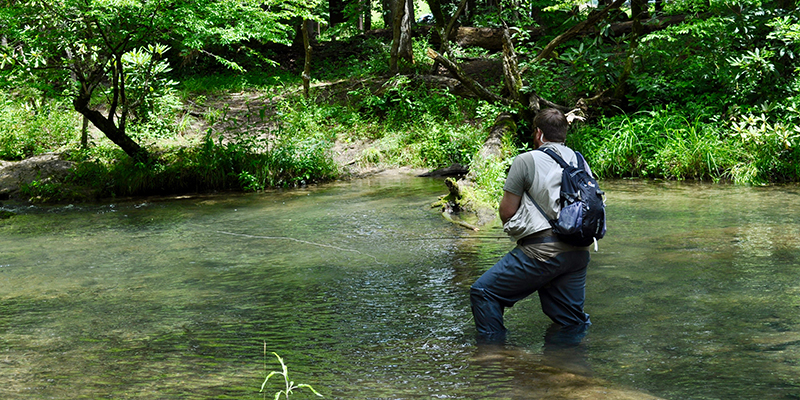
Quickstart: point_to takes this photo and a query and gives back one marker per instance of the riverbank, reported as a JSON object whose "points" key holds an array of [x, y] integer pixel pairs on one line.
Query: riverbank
{"points": [[18, 177], [15, 176], [260, 139]]}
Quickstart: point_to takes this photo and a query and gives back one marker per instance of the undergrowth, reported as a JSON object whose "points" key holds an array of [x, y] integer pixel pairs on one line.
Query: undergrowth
{"points": [[32, 126], [746, 149], [710, 99], [243, 164]]}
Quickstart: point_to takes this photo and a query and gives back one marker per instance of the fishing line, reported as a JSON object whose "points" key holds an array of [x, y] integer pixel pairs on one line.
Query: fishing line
{"points": [[301, 241], [433, 332]]}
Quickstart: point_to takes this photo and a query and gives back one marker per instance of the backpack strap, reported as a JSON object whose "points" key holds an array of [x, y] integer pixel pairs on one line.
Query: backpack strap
{"points": [[537, 206], [560, 160]]}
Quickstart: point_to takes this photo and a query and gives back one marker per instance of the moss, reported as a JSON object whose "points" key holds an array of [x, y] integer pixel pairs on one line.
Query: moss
{"points": [[464, 200]]}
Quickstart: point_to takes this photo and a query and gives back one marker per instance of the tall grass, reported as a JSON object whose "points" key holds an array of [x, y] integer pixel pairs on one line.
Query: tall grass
{"points": [[665, 144], [214, 165], [402, 124]]}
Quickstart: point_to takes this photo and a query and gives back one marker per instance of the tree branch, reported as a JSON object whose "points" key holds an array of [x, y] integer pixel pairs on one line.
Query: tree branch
{"points": [[445, 31], [592, 20]]}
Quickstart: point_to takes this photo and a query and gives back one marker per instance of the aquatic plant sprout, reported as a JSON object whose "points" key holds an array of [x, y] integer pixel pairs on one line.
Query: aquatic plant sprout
{"points": [[290, 385]]}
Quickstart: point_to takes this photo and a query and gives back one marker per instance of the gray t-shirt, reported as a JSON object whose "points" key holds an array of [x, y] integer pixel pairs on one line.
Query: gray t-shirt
{"points": [[538, 173]]}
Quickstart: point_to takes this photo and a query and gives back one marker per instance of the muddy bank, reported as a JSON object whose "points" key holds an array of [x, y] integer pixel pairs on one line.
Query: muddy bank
{"points": [[45, 168]]}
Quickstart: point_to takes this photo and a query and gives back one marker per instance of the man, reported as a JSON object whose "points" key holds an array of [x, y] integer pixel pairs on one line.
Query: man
{"points": [[540, 262]]}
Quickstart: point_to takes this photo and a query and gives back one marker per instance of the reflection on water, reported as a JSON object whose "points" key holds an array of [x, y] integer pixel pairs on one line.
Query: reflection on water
{"points": [[363, 290]]}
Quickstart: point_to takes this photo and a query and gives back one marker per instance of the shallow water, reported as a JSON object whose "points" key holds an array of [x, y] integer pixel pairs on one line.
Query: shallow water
{"points": [[363, 290]]}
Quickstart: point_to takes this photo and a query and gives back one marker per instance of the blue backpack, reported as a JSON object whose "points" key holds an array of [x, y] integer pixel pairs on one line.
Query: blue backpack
{"points": [[582, 219]]}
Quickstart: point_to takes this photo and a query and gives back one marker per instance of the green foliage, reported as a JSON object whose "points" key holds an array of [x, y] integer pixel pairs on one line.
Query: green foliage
{"points": [[768, 149], [42, 191], [289, 386], [420, 127], [242, 163], [361, 58], [712, 98], [490, 177], [208, 83], [506, 12], [667, 144], [113, 46], [735, 58], [146, 82], [32, 127], [654, 144]]}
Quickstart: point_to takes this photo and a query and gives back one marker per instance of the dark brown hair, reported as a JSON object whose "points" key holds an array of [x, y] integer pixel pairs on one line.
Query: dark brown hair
{"points": [[553, 124]]}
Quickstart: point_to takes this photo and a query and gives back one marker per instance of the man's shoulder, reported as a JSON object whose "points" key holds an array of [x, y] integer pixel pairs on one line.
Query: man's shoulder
{"points": [[565, 152]]}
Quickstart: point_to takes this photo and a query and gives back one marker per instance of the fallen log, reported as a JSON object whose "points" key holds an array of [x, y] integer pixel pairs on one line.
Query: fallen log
{"points": [[470, 83], [461, 197], [492, 38]]}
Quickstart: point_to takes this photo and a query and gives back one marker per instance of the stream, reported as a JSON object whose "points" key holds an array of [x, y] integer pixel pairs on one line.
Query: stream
{"points": [[363, 289]]}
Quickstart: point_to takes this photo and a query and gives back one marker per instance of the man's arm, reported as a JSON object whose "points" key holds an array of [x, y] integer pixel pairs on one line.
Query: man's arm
{"points": [[509, 205]]}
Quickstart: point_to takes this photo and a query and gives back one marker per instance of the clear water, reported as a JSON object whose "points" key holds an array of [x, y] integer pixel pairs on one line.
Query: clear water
{"points": [[363, 290]]}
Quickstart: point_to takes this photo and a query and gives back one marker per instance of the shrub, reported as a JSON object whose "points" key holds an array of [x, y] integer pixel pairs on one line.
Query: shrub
{"points": [[216, 164], [32, 128]]}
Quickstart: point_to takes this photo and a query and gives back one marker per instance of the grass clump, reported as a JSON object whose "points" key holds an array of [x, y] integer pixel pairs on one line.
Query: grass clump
{"points": [[217, 164]]}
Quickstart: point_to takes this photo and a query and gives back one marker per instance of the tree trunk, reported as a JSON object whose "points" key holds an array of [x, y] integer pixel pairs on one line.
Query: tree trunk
{"points": [[443, 30], [388, 13], [622, 84], [412, 16], [639, 10], [405, 51], [397, 19], [307, 64], [470, 11], [367, 10], [85, 133], [438, 16], [503, 125], [511, 75], [107, 126], [401, 37]]}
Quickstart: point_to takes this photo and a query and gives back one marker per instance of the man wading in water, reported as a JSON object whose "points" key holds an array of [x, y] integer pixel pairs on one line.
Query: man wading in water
{"points": [[540, 262]]}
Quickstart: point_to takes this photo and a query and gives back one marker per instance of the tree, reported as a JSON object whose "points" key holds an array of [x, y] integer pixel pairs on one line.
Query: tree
{"points": [[89, 43], [403, 14], [443, 27]]}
